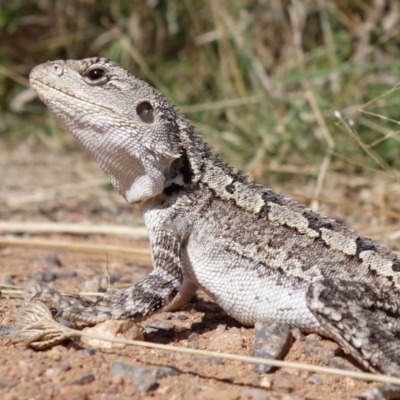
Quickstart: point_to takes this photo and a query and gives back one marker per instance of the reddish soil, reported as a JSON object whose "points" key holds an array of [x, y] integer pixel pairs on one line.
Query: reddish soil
{"points": [[73, 371]]}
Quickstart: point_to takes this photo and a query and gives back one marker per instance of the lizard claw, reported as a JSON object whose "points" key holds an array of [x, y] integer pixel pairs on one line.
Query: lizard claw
{"points": [[75, 310]]}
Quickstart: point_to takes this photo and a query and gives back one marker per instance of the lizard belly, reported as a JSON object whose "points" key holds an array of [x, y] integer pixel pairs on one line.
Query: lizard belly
{"points": [[247, 291]]}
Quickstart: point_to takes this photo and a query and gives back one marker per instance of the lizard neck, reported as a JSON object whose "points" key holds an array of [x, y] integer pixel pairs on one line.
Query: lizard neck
{"points": [[198, 163]]}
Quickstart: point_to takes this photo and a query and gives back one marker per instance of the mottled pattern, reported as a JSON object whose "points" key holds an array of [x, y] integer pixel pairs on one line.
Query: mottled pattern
{"points": [[261, 256]]}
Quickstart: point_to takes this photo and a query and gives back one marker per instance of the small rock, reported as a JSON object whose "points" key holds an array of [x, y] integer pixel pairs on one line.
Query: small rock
{"points": [[316, 379], [349, 382], [84, 379], [44, 276], [55, 353], [182, 317], [52, 371], [298, 335], [64, 365], [52, 258], [312, 347], [283, 382], [87, 352], [193, 344], [168, 316], [117, 379], [112, 329], [150, 327], [28, 353], [23, 365], [181, 329], [265, 382], [92, 285], [207, 335], [6, 329], [336, 362], [194, 336], [253, 394], [7, 384], [146, 379], [68, 273]]}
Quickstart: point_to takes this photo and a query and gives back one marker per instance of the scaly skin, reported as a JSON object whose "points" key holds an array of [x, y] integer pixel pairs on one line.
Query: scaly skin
{"points": [[261, 256]]}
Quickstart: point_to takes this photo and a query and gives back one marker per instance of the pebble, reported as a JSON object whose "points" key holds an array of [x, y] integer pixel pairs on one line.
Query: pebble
{"points": [[146, 379], [7, 384], [87, 352], [112, 329], [64, 365], [52, 258], [84, 379], [117, 379], [253, 394], [316, 379], [23, 365], [52, 371], [283, 382], [55, 353], [44, 276], [298, 335], [150, 327], [338, 363], [6, 329], [265, 382]]}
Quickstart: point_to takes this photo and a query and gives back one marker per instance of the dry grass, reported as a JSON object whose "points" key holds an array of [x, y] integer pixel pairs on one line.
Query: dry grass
{"points": [[265, 75]]}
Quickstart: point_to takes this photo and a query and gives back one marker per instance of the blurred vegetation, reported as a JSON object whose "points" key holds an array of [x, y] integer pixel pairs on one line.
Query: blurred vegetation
{"points": [[261, 79]]}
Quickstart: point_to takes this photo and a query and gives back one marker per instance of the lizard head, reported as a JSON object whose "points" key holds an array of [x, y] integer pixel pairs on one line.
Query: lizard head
{"points": [[129, 127]]}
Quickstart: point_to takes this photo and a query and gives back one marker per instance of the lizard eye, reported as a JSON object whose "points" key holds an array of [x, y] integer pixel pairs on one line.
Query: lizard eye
{"points": [[95, 77], [96, 74], [145, 112]]}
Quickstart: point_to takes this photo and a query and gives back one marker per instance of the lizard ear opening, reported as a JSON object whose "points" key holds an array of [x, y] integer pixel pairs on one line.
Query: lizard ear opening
{"points": [[145, 112]]}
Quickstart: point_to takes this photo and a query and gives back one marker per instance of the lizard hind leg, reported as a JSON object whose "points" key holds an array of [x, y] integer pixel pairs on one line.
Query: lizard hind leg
{"points": [[272, 341], [361, 318]]}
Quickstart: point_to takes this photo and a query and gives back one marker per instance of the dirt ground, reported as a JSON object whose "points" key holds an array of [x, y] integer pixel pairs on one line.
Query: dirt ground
{"points": [[46, 185]]}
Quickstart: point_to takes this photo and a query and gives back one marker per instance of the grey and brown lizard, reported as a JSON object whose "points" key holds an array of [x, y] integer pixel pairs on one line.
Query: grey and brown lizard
{"points": [[261, 256]]}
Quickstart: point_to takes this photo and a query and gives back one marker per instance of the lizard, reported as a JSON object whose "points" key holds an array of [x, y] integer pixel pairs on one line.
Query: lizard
{"points": [[261, 256]]}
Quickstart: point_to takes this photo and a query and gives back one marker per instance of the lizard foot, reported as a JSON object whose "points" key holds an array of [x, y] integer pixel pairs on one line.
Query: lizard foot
{"points": [[76, 310], [271, 340]]}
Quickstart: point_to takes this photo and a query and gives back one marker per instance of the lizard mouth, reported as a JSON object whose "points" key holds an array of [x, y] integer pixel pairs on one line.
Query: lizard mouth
{"points": [[37, 84]]}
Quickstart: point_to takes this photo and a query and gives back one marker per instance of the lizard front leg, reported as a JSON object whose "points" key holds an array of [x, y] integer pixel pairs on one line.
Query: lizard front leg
{"points": [[164, 288]]}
